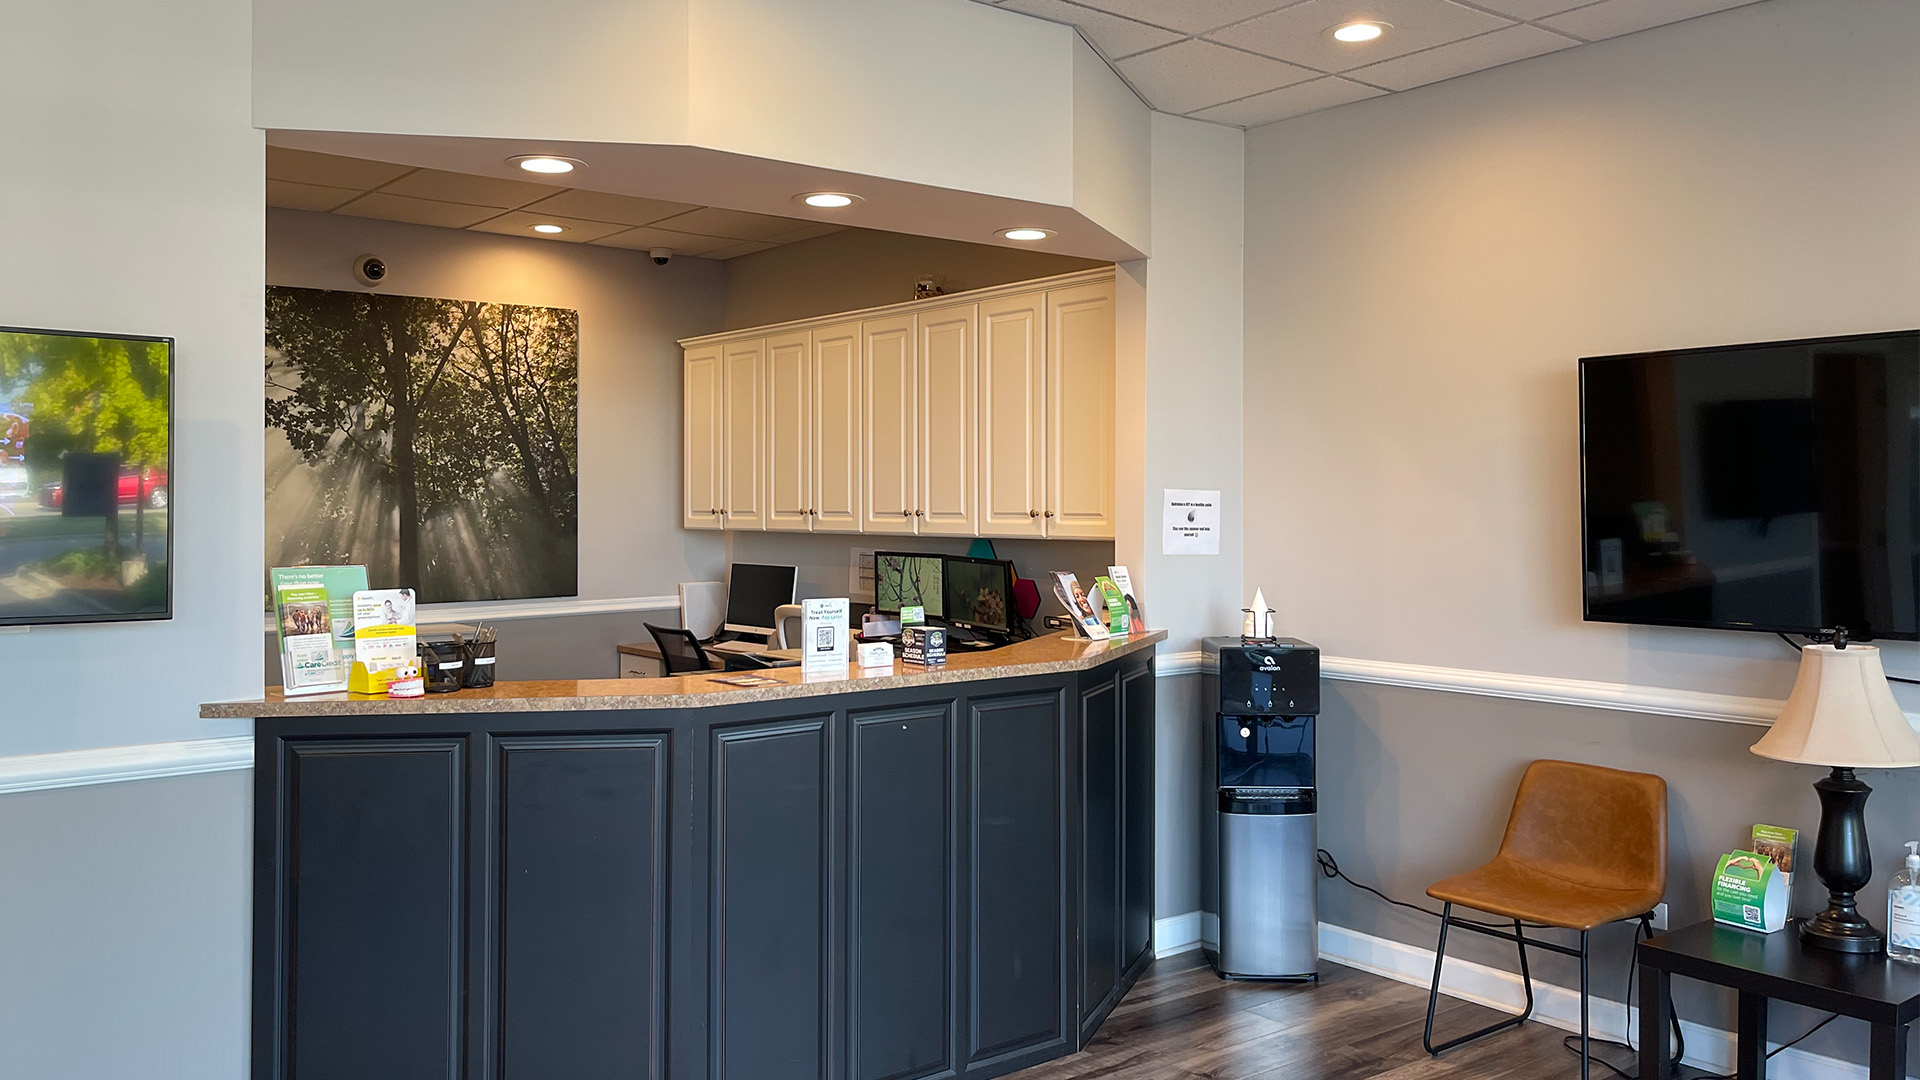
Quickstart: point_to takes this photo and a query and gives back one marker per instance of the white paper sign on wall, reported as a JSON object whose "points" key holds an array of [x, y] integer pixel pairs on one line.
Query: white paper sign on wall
{"points": [[1190, 522], [823, 635]]}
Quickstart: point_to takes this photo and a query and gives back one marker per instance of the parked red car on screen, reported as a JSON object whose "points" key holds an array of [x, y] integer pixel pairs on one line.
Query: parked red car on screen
{"points": [[132, 490]]}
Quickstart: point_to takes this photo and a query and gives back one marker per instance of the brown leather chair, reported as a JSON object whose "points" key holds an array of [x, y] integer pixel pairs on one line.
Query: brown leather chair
{"points": [[1585, 846]]}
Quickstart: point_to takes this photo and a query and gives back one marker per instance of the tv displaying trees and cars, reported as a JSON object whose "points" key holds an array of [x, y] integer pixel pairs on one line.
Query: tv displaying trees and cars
{"points": [[86, 497]]}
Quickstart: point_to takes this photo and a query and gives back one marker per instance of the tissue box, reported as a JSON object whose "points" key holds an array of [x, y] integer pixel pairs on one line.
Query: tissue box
{"points": [[876, 654], [923, 645]]}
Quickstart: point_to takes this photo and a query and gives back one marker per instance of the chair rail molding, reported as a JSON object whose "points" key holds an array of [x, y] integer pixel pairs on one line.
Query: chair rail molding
{"points": [[118, 764], [1583, 693]]}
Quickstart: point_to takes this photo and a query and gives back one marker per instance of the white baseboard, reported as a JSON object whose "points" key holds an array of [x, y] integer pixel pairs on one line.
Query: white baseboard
{"points": [[117, 764], [1555, 1006]]}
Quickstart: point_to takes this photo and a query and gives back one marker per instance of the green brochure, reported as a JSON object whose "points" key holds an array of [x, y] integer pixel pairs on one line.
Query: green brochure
{"points": [[1749, 892], [313, 618]]}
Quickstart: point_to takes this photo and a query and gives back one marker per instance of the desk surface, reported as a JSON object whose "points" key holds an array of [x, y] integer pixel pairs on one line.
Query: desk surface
{"points": [[1777, 965], [1053, 654]]}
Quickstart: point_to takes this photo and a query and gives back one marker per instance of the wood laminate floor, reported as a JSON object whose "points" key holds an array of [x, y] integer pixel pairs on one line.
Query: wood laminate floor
{"points": [[1183, 1022]]}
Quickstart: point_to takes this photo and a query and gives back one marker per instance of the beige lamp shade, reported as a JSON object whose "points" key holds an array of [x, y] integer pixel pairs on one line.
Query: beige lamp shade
{"points": [[1842, 713]]}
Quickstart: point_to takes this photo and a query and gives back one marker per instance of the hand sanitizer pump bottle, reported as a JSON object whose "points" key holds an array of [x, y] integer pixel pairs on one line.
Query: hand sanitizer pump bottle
{"points": [[1903, 909]]}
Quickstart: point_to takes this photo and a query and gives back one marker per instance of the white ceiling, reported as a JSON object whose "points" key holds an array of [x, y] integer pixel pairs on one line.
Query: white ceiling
{"points": [[1252, 62], [306, 180]]}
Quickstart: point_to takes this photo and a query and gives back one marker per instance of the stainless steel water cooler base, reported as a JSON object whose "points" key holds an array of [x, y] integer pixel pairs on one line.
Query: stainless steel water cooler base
{"points": [[1269, 896]]}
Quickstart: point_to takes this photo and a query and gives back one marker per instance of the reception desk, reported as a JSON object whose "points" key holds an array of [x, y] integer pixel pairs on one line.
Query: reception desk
{"points": [[890, 875]]}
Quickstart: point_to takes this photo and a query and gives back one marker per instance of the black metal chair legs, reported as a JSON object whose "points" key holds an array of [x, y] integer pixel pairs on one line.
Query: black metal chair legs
{"points": [[1519, 938]]}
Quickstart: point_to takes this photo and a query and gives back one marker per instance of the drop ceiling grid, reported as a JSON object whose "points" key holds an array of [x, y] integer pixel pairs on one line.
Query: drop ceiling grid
{"points": [[304, 180], [1169, 52]]}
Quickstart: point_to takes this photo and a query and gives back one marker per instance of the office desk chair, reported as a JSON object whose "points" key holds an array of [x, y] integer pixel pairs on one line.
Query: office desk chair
{"points": [[680, 651], [787, 621], [1585, 846]]}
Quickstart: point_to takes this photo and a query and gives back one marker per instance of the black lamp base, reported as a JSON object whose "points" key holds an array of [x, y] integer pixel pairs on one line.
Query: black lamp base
{"points": [[1844, 863]]}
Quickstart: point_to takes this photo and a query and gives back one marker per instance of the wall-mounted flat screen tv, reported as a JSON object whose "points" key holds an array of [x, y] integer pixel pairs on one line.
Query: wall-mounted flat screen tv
{"points": [[86, 494], [1771, 487]]}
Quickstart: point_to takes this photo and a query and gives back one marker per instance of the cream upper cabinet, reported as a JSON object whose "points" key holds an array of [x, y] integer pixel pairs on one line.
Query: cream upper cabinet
{"points": [[890, 401], [838, 428], [988, 415], [947, 377], [743, 366], [700, 432], [1012, 421], [790, 432], [1080, 428]]}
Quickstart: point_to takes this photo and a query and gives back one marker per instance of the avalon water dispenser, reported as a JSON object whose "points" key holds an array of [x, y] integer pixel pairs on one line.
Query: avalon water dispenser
{"points": [[1264, 694]]}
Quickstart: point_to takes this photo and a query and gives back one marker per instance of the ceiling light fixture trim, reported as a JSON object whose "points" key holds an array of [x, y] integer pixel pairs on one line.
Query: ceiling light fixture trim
{"points": [[546, 164], [1359, 31], [1024, 233], [827, 200]]}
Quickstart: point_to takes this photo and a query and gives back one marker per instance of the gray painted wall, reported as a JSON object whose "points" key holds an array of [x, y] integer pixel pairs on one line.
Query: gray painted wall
{"points": [[125, 930]]}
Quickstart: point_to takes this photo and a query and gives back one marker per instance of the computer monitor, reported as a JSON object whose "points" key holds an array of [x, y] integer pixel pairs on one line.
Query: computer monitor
{"points": [[907, 578], [979, 593], [754, 591]]}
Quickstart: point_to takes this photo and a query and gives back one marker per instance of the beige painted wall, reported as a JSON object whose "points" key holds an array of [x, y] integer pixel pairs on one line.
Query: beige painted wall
{"points": [[859, 268], [1422, 273], [631, 315]]}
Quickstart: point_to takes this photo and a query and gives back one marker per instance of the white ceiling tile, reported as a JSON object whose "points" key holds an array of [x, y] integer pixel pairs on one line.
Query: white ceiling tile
{"points": [[1611, 18], [737, 249], [732, 224], [1289, 102], [465, 188], [1299, 34], [808, 232], [521, 223], [1188, 16], [1117, 37], [1194, 74], [649, 237], [379, 204], [1530, 9], [289, 195], [1460, 57], [307, 167], [604, 206]]}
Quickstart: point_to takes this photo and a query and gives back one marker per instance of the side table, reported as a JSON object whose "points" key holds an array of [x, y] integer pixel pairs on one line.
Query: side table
{"points": [[1885, 993]]}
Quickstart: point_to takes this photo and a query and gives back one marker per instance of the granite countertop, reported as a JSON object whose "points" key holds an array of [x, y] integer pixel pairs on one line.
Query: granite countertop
{"points": [[1048, 655]]}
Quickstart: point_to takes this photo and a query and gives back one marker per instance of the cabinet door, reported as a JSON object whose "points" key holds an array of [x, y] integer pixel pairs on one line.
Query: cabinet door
{"points": [[789, 463], [1018, 999], [1080, 428], [580, 894], [743, 434], [890, 403], [1100, 851], [947, 495], [700, 427], [836, 428], [1137, 711], [372, 930], [1013, 446]]}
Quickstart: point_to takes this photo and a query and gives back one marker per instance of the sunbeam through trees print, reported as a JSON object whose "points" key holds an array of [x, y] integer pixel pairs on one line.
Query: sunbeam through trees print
{"points": [[433, 440]]}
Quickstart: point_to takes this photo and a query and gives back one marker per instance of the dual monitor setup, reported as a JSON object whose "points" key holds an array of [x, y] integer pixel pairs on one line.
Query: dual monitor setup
{"points": [[968, 593]]}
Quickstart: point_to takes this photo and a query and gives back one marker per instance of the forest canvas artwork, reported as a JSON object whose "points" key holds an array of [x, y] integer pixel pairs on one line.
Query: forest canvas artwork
{"points": [[435, 441]]}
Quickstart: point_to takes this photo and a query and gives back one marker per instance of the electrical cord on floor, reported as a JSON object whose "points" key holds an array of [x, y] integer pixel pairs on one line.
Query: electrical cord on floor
{"points": [[1329, 868], [1797, 647]]}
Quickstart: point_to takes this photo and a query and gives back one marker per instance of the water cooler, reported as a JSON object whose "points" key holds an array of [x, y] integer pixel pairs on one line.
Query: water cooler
{"points": [[1264, 694]]}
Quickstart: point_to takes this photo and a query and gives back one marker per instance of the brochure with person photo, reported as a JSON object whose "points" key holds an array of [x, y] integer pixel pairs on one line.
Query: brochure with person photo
{"points": [[313, 609], [1074, 598]]}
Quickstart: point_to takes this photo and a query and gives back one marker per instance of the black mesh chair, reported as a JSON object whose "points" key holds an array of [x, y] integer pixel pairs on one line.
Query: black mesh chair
{"points": [[680, 651]]}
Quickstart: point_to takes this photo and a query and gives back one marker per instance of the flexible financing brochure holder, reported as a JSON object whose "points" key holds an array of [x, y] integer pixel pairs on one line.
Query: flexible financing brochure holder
{"points": [[1079, 608], [313, 609], [383, 638], [1124, 582]]}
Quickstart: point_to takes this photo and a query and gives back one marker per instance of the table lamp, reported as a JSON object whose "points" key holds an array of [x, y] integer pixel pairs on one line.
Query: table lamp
{"points": [[1842, 714]]}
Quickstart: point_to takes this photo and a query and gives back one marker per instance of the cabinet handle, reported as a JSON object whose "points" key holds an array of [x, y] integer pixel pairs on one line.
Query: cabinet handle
{"points": [[919, 513], [906, 513], [1049, 513], [1033, 513]]}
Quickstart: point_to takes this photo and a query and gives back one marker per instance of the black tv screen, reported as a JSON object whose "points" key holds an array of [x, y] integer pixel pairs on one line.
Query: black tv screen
{"points": [[1771, 487], [86, 496]]}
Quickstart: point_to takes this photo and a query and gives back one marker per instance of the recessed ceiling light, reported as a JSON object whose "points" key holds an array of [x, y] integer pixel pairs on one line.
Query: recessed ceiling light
{"points": [[1362, 30], [546, 164], [828, 200], [549, 229], [1026, 233]]}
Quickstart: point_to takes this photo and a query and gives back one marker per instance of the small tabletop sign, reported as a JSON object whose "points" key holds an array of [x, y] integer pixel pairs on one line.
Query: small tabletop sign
{"points": [[313, 606], [1749, 892], [383, 638], [823, 635]]}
